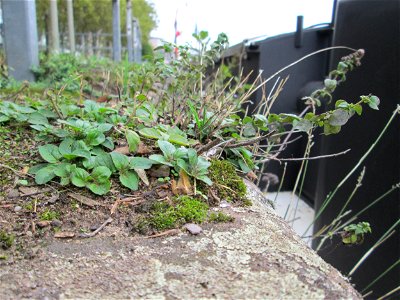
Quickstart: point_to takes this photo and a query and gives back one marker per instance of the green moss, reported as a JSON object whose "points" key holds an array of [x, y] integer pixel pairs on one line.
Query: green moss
{"points": [[220, 217], [6, 239], [190, 209], [164, 216], [48, 215], [229, 186]]}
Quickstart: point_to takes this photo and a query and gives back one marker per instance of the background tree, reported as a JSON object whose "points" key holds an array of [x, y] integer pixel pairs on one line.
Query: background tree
{"points": [[94, 16]]}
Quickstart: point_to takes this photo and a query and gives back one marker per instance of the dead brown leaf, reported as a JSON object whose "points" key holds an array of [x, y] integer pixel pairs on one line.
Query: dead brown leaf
{"points": [[122, 150], [142, 175], [64, 235], [85, 200], [143, 149], [184, 187], [28, 190]]}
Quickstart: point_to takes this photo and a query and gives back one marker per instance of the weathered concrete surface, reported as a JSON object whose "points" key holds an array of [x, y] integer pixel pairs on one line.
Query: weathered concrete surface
{"points": [[256, 257]]}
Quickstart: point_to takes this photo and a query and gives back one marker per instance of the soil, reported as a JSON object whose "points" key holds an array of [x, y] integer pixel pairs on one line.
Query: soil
{"points": [[49, 221]]}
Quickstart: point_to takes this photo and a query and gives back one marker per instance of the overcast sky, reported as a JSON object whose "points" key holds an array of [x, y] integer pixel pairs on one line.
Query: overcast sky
{"points": [[240, 19]]}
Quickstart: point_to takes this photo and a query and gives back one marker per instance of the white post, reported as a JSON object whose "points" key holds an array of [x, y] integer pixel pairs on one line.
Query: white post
{"points": [[71, 30], [116, 31], [129, 36], [54, 32]]}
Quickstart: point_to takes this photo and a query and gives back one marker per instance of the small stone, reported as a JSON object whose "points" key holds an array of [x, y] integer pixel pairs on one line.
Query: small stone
{"points": [[94, 227], [224, 204], [193, 228], [29, 233], [43, 224], [17, 208], [28, 190], [56, 223], [160, 171], [64, 235], [13, 193]]}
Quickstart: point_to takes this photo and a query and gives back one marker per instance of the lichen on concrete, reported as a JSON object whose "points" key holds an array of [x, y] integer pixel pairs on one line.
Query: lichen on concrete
{"points": [[256, 257]]}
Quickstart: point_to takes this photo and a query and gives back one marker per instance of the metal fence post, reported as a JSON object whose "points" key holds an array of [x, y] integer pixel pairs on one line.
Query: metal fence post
{"points": [[71, 30], [116, 30], [21, 39], [129, 36], [54, 32]]}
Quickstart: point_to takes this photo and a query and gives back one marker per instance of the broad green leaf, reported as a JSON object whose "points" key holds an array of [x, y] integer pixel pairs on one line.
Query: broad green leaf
{"points": [[341, 104], [121, 161], [34, 169], [205, 179], [50, 153], [302, 125], [104, 159], [140, 163], [104, 127], [183, 165], [193, 158], [245, 168], [63, 170], [38, 119], [329, 129], [202, 166], [108, 143], [178, 139], [45, 174], [330, 84], [339, 117], [80, 177], [65, 147], [374, 102], [157, 158], [94, 137], [4, 118], [358, 109], [167, 149], [101, 174], [181, 152], [99, 188], [249, 130], [133, 140], [151, 133], [129, 179]]}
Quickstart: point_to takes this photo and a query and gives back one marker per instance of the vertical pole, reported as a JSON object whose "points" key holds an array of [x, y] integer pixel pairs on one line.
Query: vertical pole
{"points": [[129, 36], [20, 38], [54, 32], [116, 30], [71, 30]]}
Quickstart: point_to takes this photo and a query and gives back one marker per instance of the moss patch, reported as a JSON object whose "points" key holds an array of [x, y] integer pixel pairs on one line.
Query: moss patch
{"points": [[164, 216], [220, 217], [6, 239], [227, 184]]}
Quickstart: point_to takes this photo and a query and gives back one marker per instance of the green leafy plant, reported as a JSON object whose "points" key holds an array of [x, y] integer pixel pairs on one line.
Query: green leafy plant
{"points": [[354, 233]]}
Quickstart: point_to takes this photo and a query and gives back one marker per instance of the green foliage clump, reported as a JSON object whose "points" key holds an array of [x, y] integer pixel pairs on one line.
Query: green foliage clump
{"points": [[6, 239], [185, 209], [228, 184], [354, 233], [163, 216], [48, 215], [220, 217], [190, 209]]}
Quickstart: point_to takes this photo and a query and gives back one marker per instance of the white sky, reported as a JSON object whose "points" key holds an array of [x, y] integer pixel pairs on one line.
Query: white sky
{"points": [[239, 19]]}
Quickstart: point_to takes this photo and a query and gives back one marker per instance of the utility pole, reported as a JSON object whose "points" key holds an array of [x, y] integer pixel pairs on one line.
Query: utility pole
{"points": [[71, 29], [116, 30], [20, 38], [129, 35], [54, 32]]}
